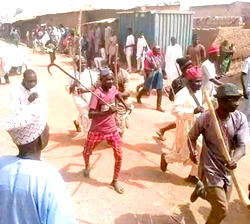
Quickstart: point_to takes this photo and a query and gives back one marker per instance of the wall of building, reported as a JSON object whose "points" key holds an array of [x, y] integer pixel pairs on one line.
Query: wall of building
{"points": [[234, 35], [157, 8], [234, 9], [218, 21]]}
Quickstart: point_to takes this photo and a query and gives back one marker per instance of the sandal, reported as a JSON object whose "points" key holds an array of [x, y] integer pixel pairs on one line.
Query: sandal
{"points": [[117, 187], [160, 136], [86, 172], [77, 126], [164, 164]]}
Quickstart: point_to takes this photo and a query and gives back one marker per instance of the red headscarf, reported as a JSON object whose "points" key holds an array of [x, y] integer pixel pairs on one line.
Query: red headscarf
{"points": [[214, 49], [193, 73]]}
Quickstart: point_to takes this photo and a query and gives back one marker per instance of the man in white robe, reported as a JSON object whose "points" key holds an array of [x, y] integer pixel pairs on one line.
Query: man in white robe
{"points": [[82, 96], [173, 52], [186, 106]]}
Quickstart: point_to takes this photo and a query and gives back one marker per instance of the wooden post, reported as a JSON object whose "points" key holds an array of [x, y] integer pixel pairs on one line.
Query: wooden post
{"points": [[116, 70], [79, 29]]}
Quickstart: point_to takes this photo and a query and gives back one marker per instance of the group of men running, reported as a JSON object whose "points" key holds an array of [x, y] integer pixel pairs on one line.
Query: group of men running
{"points": [[102, 102]]}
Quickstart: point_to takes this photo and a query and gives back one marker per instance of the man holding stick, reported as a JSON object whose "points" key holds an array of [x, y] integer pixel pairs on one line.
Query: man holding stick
{"points": [[154, 67], [215, 184], [186, 107], [103, 127]]}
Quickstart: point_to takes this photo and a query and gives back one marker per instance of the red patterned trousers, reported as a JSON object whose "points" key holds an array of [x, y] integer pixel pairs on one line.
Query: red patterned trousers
{"points": [[113, 139]]}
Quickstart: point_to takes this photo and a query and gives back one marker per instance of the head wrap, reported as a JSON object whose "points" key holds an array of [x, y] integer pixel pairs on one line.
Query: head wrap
{"points": [[214, 49], [156, 47], [193, 73], [104, 71]]}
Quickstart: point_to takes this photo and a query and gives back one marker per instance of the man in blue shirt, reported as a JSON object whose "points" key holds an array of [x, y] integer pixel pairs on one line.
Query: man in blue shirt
{"points": [[31, 191]]}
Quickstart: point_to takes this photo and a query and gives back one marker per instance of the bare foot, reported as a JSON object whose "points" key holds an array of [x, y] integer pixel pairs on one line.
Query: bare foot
{"points": [[86, 172], [117, 187]]}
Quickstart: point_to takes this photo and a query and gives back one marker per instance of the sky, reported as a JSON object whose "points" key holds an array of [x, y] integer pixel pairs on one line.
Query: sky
{"points": [[10, 6]]}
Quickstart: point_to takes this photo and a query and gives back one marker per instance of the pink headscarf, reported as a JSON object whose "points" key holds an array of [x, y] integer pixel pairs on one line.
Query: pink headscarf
{"points": [[193, 73], [214, 49]]}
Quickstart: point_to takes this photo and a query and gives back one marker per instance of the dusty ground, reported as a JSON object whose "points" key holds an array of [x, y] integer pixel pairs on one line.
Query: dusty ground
{"points": [[151, 197]]}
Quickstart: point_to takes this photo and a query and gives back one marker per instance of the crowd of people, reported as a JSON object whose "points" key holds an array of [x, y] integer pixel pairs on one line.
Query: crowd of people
{"points": [[102, 97]]}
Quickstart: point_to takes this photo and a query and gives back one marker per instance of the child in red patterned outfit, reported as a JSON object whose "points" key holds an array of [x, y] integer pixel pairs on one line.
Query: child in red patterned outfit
{"points": [[103, 126]]}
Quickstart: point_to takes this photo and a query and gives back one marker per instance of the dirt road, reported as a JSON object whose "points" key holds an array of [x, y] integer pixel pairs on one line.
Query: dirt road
{"points": [[151, 197]]}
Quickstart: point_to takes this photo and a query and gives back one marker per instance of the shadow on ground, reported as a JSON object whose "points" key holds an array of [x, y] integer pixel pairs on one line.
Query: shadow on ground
{"points": [[238, 214], [134, 175], [186, 217]]}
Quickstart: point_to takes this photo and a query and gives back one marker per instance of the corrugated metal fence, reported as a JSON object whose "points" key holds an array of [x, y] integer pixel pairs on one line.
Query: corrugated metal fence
{"points": [[158, 27]]}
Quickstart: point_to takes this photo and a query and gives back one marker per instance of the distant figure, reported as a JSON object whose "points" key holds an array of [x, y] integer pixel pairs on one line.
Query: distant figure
{"points": [[19, 58], [129, 48], [14, 36], [98, 37], [140, 52], [123, 84], [91, 46], [245, 81], [154, 67], [50, 47], [196, 52], [28, 40], [101, 58], [112, 46], [226, 55], [5, 65], [81, 96], [176, 86], [84, 45], [173, 52], [209, 71], [107, 35]]}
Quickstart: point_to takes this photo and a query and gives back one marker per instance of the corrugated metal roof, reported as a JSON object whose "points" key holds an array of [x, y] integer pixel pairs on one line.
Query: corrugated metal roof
{"points": [[157, 11], [32, 14], [109, 20]]}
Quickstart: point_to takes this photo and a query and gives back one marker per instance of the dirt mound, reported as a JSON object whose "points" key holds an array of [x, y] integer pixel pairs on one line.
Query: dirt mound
{"points": [[236, 35]]}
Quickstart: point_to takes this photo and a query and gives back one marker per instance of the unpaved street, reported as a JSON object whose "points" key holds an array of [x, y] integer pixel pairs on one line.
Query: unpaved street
{"points": [[151, 197]]}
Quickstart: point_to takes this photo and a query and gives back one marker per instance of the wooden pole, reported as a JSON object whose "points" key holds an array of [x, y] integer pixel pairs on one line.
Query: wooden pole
{"points": [[116, 70], [79, 30], [243, 197]]}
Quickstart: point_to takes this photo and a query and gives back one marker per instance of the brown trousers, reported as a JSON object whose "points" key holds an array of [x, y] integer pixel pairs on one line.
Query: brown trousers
{"points": [[218, 197]]}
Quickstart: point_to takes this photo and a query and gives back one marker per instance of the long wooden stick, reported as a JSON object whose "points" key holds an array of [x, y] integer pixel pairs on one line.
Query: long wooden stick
{"points": [[77, 81], [243, 197], [79, 31], [116, 70]]}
